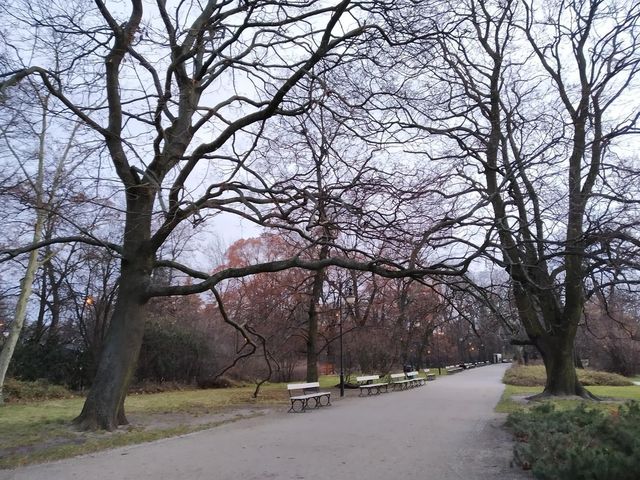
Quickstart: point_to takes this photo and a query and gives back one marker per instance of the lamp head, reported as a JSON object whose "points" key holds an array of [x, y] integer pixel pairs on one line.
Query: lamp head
{"points": [[350, 298]]}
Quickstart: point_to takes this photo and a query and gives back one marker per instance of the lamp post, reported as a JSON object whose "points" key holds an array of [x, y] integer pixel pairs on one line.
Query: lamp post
{"points": [[438, 334], [350, 299]]}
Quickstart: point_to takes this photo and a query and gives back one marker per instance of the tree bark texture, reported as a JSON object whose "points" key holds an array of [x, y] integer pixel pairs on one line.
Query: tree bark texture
{"points": [[104, 406], [312, 332], [559, 363], [21, 312]]}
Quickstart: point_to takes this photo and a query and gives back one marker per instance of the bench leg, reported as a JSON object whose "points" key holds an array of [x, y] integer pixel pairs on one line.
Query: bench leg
{"points": [[300, 404]]}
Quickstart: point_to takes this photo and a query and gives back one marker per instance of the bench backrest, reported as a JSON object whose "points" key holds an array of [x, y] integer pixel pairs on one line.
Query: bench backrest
{"points": [[412, 374], [368, 378], [310, 387], [426, 370], [397, 375]]}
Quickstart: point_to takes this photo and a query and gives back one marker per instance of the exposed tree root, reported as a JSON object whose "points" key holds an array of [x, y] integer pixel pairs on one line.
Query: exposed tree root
{"points": [[581, 392], [91, 421]]}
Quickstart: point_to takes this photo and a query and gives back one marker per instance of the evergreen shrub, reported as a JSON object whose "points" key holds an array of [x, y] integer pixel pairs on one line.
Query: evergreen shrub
{"points": [[579, 444]]}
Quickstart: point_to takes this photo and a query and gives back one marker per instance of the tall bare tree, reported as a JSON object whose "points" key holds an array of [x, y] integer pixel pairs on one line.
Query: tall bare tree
{"points": [[28, 128], [192, 90], [531, 104]]}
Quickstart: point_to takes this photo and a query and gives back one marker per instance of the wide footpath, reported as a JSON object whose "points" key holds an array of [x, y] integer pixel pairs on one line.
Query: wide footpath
{"points": [[445, 430]]}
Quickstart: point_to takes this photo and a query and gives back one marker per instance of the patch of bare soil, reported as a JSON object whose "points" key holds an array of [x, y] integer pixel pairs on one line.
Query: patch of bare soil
{"points": [[164, 421]]}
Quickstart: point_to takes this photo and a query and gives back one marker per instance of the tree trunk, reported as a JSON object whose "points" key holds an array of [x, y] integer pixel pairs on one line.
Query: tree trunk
{"points": [[26, 285], [104, 406], [312, 334], [21, 312], [559, 363]]}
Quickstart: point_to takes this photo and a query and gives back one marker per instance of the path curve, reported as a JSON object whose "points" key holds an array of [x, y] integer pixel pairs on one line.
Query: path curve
{"points": [[446, 430]]}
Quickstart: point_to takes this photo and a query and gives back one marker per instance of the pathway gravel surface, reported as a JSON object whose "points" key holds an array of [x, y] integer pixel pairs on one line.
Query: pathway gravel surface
{"points": [[446, 430]]}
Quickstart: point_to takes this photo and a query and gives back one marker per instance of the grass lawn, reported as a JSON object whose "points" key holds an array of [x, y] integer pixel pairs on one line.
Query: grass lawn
{"points": [[529, 381], [42, 431], [611, 396]]}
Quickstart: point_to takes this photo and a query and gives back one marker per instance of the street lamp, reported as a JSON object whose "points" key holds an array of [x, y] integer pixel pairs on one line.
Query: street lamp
{"points": [[351, 300]]}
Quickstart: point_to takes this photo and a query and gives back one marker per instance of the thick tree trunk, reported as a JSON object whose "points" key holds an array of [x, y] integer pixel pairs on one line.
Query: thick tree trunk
{"points": [[562, 379], [104, 406]]}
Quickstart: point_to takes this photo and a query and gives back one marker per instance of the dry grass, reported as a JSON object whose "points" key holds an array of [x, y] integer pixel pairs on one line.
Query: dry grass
{"points": [[514, 398], [535, 376], [42, 431], [17, 391], [524, 381], [33, 429]]}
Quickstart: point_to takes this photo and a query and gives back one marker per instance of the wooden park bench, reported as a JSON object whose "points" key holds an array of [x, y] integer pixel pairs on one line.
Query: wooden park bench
{"points": [[453, 369], [310, 391], [371, 385], [400, 381], [416, 379], [428, 375]]}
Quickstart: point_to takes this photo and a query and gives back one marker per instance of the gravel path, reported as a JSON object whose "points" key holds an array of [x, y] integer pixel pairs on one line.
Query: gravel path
{"points": [[445, 430]]}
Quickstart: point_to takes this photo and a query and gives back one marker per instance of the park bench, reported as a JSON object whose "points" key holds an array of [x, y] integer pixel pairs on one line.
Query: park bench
{"points": [[428, 375], [416, 379], [453, 369], [369, 384], [400, 381], [310, 391]]}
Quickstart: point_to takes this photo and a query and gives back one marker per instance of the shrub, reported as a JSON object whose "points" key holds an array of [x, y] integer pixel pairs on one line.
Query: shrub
{"points": [[535, 376], [579, 444], [147, 386], [219, 382], [595, 377], [23, 391], [55, 360], [171, 353]]}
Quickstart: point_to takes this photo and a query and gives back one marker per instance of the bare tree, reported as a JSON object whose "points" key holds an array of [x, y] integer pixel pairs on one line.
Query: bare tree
{"points": [[530, 103], [36, 191], [164, 116]]}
